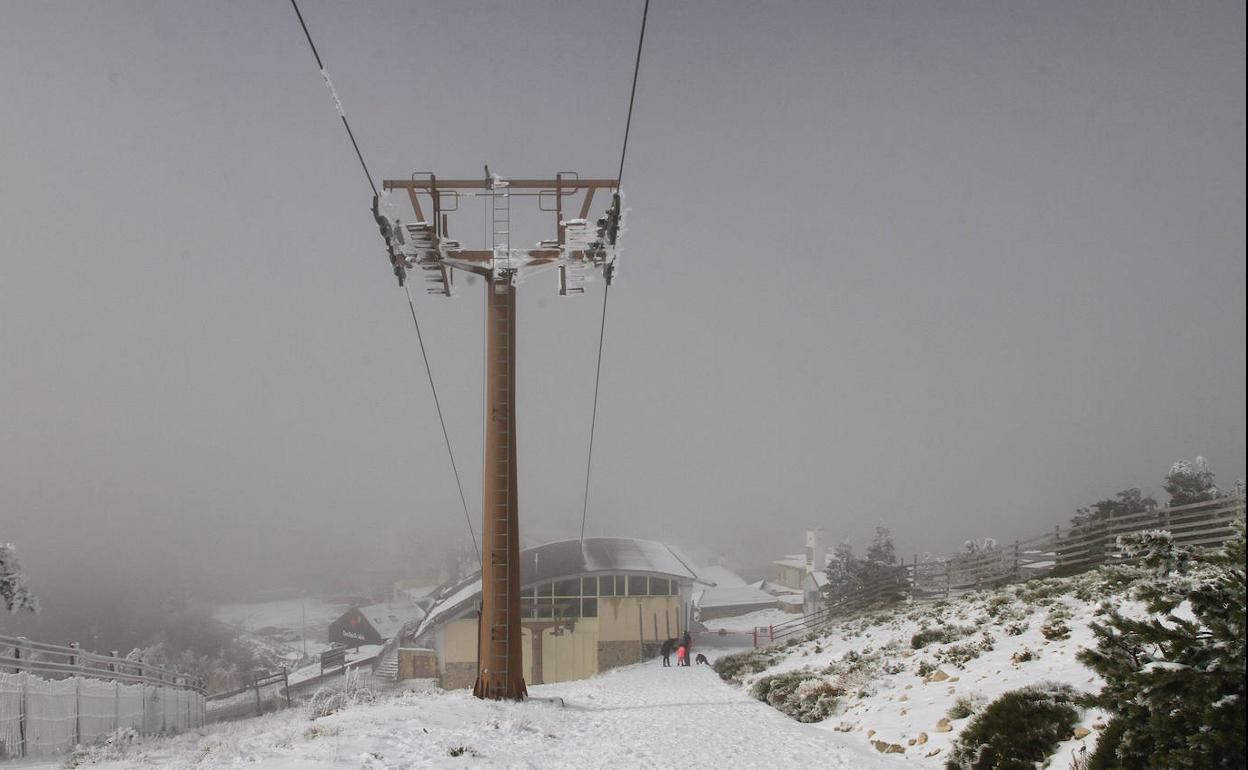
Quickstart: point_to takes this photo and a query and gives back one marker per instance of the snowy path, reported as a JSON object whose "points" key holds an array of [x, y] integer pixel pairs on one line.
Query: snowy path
{"points": [[642, 716]]}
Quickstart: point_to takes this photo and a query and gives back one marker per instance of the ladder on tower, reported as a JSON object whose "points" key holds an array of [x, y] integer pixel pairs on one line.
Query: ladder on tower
{"points": [[500, 223]]}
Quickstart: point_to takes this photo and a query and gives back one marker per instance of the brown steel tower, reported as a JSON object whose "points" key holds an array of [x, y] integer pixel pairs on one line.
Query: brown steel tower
{"points": [[579, 245]]}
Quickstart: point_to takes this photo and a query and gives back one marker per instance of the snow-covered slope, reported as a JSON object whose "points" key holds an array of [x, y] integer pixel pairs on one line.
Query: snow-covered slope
{"points": [[897, 697]]}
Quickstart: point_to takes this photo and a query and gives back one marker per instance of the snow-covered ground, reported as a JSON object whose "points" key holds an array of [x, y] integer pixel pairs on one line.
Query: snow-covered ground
{"points": [[896, 699], [749, 621], [642, 716], [280, 626], [890, 704]]}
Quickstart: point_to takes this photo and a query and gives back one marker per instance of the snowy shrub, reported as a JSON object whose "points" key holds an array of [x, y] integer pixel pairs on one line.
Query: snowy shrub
{"points": [[111, 748], [462, 751], [1017, 730], [1024, 655], [1175, 678], [893, 667], [996, 604], [735, 667], [959, 654], [966, 705], [926, 667], [1016, 629], [801, 695], [1054, 627], [335, 698], [1044, 591], [938, 635]]}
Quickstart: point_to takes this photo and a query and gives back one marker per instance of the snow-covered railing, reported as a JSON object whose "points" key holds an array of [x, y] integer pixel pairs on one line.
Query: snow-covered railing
{"points": [[267, 691], [55, 661], [1082, 547], [1093, 543]]}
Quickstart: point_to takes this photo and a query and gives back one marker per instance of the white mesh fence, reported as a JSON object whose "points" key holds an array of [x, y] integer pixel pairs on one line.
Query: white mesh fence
{"points": [[97, 709], [10, 715], [51, 715], [130, 706], [42, 717]]}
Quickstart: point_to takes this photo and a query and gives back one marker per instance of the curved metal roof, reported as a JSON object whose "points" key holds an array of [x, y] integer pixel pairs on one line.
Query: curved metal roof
{"points": [[568, 559]]}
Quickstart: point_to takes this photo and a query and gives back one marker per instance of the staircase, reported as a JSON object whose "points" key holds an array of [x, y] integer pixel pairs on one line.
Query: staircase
{"points": [[387, 669]]}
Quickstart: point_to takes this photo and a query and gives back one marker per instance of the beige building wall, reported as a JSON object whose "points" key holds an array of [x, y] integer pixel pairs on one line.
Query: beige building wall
{"points": [[627, 630], [648, 618], [569, 656]]}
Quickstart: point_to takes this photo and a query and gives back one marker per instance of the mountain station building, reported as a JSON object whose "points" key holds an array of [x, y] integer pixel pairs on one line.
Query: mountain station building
{"points": [[586, 606]]}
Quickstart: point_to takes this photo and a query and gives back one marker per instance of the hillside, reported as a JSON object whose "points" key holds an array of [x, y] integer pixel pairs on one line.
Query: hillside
{"points": [[902, 669]]}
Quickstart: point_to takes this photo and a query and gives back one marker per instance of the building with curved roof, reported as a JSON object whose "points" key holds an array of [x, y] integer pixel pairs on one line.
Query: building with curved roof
{"points": [[586, 606]]}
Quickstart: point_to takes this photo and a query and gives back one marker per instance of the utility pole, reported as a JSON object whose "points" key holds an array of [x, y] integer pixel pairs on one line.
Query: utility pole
{"points": [[578, 246]]}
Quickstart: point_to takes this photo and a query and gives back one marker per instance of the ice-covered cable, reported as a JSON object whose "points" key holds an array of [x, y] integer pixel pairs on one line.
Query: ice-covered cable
{"points": [[337, 102]]}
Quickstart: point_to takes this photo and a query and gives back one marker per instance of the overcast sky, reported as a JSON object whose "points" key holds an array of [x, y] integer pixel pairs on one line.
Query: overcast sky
{"points": [[956, 268]]}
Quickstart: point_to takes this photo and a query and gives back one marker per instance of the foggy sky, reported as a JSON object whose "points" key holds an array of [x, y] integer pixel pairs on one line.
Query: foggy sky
{"points": [[955, 268]]}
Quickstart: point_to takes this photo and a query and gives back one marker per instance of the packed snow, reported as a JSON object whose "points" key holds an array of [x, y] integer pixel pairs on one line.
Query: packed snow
{"points": [[633, 717]]}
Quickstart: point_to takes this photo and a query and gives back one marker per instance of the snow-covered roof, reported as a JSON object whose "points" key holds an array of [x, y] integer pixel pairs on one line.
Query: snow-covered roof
{"points": [[389, 617], [572, 558], [798, 560], [819, 577], [735, 596], [775, 589], [721, 576]]}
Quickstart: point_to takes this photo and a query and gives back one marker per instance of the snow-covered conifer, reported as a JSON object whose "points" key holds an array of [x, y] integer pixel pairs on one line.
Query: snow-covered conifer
{"points": [[1175, 678], [15, 593]]}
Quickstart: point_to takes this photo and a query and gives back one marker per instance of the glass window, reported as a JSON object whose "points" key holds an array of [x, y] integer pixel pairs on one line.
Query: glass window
{"points": [[568, 588], [589, 586], [636, 585], [527, 592], [546, 589], [606, 585], [526, 607], [660, 586], [589, 608], [570, 609], [546, 609]]}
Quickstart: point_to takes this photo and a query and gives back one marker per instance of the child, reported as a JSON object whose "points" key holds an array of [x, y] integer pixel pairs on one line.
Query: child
{"points": [[681, 655]]}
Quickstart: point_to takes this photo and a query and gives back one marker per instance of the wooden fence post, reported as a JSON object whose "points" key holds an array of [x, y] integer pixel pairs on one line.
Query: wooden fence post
{"points": [[74, 660], [21, 703]]}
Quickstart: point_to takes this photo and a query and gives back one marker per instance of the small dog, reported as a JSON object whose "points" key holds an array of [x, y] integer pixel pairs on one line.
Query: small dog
{"points": [[701, 660]]}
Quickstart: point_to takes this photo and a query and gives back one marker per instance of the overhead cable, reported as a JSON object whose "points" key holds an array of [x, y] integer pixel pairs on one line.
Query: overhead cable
{"points": [[410, 303], [602, 329]]}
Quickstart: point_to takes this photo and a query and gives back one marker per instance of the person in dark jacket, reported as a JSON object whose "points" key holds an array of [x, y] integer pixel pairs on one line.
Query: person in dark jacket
{"points": [[666, 652], [686, 643]]}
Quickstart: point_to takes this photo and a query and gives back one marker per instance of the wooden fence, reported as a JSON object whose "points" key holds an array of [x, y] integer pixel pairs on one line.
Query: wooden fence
{"points": [[267, 691], [1077, 549]]}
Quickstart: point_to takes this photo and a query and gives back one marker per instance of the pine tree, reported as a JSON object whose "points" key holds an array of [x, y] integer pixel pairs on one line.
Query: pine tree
{"points": [[882, 550], [15, 593], [1190, 482], [1175, 678]]}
